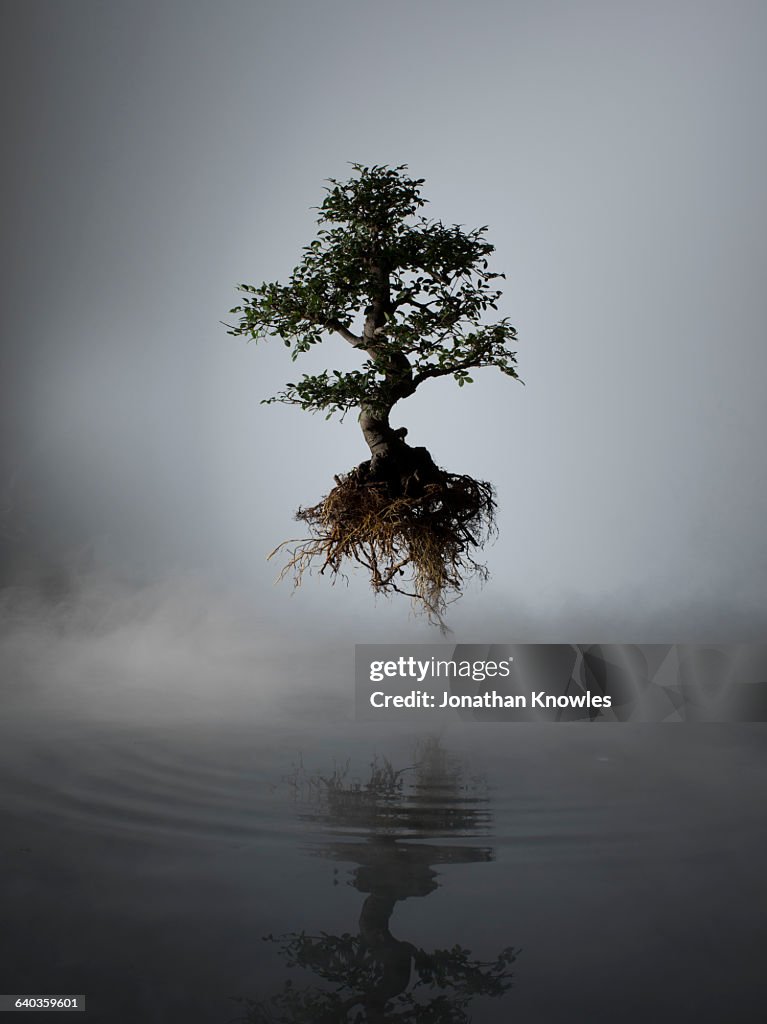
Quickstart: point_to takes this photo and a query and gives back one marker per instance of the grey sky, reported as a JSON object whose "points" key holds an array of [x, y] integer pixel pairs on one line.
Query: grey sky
{"points": [[158, 153]]}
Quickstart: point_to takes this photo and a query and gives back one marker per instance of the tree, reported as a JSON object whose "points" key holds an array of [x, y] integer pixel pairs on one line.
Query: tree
{"points": [[412, 296], [398, 834]]}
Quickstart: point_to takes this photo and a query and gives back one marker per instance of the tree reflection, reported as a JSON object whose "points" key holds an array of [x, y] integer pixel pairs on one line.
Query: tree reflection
{"points": [[372, 977]]}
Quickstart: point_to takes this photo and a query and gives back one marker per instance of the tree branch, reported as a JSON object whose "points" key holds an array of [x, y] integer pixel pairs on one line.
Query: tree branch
{"points": [[425, 306], [346, 334], [474, 359]]}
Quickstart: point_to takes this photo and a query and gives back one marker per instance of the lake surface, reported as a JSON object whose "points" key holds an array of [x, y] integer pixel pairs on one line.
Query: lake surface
{"points": [[176, 849]]}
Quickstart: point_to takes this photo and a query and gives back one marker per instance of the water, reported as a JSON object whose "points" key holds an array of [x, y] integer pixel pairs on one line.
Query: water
{"points": [[175, 838]]}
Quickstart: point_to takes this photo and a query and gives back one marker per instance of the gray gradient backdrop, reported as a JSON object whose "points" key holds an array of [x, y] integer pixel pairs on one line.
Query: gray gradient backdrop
{"points": [[156, 153]]}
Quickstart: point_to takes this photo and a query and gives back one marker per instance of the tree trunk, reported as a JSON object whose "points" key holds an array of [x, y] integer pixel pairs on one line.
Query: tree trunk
{"points": [[393, 956], [379, 436], [404, 470]]}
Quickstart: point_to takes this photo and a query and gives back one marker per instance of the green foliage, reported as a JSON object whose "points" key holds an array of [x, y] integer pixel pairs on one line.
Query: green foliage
{"points": [[410, 293]]}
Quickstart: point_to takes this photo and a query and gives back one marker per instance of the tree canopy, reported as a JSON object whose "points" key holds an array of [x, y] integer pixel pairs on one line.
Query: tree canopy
{"points": [[393, 284]]}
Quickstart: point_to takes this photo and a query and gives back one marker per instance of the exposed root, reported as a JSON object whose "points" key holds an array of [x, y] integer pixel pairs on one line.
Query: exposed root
{"points": [[420, 546]]}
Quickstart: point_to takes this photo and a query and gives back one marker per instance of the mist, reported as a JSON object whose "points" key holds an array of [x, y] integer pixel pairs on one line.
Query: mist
{"points": [[160, 153], [157, 687]]}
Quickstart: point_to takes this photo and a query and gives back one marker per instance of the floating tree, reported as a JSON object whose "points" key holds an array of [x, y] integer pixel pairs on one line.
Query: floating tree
{"points": [[412, 296]]}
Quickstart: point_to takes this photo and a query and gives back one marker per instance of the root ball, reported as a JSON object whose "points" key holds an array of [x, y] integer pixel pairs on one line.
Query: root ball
{"points": [[421, 546]]}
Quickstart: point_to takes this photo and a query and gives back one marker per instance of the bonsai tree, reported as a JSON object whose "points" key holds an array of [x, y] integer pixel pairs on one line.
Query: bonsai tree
{"points": [[412, 296], [397, 834]]}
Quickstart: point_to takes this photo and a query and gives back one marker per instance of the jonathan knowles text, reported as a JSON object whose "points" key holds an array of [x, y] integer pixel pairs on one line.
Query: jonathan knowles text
{"points": [[490, 699], [424, 671]]}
